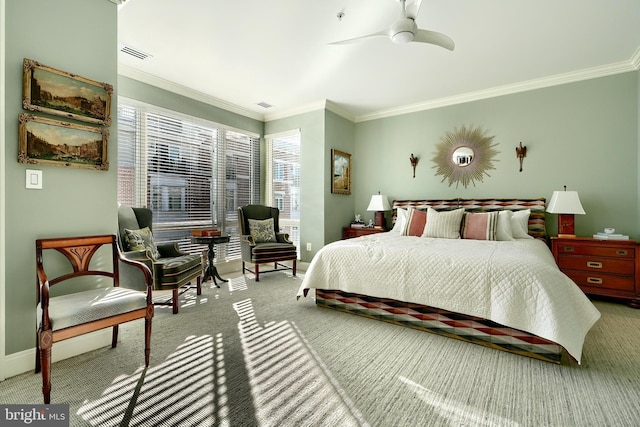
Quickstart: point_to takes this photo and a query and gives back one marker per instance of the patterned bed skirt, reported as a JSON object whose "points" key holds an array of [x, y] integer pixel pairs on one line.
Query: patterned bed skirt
{"points": [[454, 325]]}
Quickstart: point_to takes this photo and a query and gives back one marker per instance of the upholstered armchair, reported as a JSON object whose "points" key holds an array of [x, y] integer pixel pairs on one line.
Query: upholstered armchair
{"points": [[172, 268], [261, 241]]}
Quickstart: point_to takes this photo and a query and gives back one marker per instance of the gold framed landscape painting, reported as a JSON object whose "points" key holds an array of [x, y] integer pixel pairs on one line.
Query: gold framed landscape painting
{"points": [[48, 90], [57, 143], [340, 172]]}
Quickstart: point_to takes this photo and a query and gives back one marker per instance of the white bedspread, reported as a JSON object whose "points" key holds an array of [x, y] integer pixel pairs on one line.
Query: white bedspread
{"points": [[515, 283]]}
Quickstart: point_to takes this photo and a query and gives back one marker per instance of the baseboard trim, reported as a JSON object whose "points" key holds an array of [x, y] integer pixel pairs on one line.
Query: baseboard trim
{"points": [[24, 361]]}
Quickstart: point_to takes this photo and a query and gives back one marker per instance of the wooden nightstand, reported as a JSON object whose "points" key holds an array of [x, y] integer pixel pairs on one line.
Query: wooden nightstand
{"points": [[601, 267], [349, 232]]}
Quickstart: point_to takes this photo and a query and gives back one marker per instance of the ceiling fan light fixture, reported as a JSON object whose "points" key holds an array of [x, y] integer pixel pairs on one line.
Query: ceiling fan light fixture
{"points": [[403, 30], [402, 37]]}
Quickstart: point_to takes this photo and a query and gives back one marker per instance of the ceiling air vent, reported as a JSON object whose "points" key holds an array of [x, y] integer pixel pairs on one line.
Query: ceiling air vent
{"points": [[264, 104], [135, 52]]}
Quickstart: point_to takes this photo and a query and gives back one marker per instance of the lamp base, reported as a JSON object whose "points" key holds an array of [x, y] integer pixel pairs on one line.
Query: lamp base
{"points": [[566, 225], [378, 220]]}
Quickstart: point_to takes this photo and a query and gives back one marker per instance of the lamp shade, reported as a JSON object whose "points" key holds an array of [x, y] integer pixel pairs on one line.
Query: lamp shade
{"points": [[565, 202], [379, 202]]}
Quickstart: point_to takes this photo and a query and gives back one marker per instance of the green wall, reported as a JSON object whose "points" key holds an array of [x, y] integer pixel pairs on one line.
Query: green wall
{"points": [[323, 214], [80, 37], [314, 160], [583, 135], [339, 208]]}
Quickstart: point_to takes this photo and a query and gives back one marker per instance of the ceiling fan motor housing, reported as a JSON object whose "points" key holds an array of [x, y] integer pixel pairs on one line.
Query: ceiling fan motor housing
{"points": [[403, 30]]}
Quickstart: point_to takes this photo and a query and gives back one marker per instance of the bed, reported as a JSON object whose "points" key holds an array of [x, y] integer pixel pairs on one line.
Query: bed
{"points": [[502, 293]]}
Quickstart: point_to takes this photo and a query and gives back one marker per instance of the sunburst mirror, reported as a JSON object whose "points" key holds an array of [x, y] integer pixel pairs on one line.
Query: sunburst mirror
{"points": [[464, 156]]}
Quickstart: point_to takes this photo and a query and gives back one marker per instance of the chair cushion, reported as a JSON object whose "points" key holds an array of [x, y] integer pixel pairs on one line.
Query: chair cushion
{"points": [[269, 252], [178, 271], [262, 231], [87, 306], [139, 240]]}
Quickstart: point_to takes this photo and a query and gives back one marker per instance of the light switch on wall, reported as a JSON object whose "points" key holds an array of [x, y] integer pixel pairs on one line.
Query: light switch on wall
{"points": [[34, 179]]}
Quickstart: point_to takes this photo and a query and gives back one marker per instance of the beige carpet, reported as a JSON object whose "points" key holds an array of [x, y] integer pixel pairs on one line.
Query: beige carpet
{"points": [[249, 354]]}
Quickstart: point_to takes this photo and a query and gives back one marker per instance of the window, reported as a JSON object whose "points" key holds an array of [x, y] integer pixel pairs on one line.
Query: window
{"points": [[283, 181], [278, 170], [191, 173], [278, 200]]}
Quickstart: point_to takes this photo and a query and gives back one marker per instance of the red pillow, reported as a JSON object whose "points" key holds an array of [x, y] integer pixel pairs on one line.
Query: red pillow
{"points": [[479, 226], [416, 223]]}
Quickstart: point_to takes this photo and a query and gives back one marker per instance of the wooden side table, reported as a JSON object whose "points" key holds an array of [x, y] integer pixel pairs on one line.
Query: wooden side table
{"points": [[350, 232], [210, 241], [601, 267]]}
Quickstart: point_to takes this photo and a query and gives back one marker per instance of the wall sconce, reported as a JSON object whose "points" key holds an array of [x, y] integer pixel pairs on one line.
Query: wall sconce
{"points": [[521, 153], [414, 163], [565, 204]]}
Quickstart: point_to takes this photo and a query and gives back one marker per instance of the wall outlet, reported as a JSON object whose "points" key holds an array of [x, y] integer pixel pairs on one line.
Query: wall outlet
{"points": [[308, 246]]}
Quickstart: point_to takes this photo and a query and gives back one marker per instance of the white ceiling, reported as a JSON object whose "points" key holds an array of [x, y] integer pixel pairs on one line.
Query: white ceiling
{"points": [[238, 53]]}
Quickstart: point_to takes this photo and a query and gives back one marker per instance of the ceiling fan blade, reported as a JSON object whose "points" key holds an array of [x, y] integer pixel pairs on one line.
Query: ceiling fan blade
{"points": [[412, 8], [439, 39], [384, 33]]}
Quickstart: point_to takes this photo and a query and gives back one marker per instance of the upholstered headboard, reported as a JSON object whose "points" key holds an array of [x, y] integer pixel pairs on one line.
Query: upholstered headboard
{"points": [[537, 226]]}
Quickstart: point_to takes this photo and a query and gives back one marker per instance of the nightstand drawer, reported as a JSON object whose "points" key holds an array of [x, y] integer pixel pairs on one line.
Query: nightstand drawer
{"points": [[350, 232], [587, 279], [597, 265], [600, 251]]}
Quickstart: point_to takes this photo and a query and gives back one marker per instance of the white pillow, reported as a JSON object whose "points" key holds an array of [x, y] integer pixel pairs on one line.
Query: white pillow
{"points": [[504, 226], [444, 224], [520, 224], [401, 220]]}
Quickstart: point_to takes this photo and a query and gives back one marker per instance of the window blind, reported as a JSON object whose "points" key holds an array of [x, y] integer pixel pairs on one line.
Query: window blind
{"points": [[237, 183], [283, 181], [193, 174]]}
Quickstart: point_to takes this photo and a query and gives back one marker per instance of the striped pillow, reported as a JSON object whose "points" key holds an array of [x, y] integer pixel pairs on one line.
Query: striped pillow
{"points": [[415, 223], [444, 224], [479, 226]]}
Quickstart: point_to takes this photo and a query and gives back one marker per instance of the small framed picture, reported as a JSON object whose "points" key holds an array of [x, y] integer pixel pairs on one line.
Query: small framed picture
{"points": [[340, 172], [58, 143], [48, 90]]}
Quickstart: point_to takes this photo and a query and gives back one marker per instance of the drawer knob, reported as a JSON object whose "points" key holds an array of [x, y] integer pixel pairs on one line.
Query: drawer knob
{"points": [[594, 280], [621, 252], [594, 264], [568, 248]]}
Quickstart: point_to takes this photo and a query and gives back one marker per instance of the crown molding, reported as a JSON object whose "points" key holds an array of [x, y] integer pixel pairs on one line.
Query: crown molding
{"points": [[161, 83], [558, 79], [633, 64], [335, 108], [320, 105], [294, 111]]}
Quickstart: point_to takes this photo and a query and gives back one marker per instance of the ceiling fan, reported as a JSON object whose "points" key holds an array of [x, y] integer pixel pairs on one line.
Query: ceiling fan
{"points": [[405, 30]]}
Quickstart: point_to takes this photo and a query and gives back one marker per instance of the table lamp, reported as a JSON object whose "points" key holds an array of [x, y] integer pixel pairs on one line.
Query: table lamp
{"points": [[566, 204], [378, 204]]}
